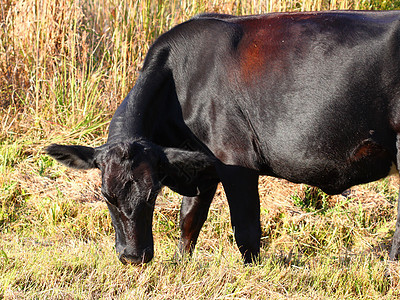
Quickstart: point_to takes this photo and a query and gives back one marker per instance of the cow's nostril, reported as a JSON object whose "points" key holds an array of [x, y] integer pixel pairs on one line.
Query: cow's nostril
{"points": [[123, 259]]}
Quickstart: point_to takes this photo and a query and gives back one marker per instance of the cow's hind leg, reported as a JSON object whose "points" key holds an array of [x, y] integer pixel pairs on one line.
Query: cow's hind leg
{"points": [[194, 211], [241, 188], [394, 252]]}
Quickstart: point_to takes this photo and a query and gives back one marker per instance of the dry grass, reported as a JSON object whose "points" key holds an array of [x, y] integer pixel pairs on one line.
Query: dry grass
{"points": [[64, 68]]}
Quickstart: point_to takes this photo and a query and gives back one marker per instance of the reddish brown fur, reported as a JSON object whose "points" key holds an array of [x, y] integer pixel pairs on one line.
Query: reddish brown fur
{"points": [[365, 149], [262, 48], [268, 41]]}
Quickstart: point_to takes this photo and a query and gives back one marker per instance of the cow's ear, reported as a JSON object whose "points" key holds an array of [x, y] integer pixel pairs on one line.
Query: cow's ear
{"points": [[187, 161], [77, 157], [183, 169]]}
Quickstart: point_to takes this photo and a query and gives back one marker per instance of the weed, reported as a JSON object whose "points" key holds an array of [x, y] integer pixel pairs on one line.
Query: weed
{"points": [[313, 199]]}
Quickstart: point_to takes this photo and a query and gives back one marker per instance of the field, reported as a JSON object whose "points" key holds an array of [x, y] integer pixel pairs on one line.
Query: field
{"points": [[65, 66]]}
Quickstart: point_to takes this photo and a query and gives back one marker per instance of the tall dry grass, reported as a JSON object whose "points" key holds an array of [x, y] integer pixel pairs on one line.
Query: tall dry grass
{"points": [[68, 64], [65, 65]]}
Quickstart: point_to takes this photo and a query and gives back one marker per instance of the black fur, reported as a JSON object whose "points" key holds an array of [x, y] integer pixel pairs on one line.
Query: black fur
{"points": [[77, 157]]}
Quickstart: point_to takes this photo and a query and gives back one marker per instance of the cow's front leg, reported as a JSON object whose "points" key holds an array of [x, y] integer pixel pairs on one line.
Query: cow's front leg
{"points": [[194, 211], [241, 188], [394, 252]]}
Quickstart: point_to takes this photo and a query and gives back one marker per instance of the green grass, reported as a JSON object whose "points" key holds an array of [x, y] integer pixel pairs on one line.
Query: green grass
{"points": [[64, 68]]}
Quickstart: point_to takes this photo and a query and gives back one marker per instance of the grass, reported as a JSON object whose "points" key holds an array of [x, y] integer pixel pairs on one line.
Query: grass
{"points": [[64, 68]]}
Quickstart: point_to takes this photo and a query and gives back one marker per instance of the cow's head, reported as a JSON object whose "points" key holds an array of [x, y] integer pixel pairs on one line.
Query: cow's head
{"points": [[132, 175]]}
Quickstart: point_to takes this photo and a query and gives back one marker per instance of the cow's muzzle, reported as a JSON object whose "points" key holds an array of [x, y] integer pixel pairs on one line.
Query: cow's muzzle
{"points": [[145, 257]]}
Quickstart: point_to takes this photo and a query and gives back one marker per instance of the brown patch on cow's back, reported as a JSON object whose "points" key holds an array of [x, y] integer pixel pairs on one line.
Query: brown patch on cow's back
{"points": [[271, 43], [264, 47], [252, 60]]}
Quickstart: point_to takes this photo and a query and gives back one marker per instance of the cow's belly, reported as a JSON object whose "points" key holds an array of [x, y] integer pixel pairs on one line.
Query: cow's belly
{"points": [[332, 170]]}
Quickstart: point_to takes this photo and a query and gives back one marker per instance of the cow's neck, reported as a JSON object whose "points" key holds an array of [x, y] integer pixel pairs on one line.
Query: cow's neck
{"points": [[152, 112]]}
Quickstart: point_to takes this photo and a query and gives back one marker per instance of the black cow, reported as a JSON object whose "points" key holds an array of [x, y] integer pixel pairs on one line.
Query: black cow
{"points": [[309, 97]]}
